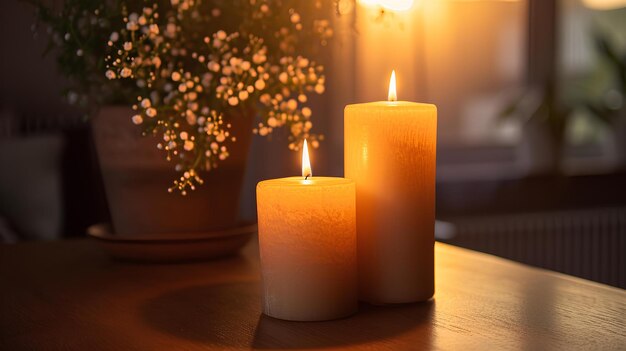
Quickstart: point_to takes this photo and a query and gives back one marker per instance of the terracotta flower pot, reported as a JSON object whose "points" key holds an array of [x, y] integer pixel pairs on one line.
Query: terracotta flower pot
{"points": [[137, 176]]}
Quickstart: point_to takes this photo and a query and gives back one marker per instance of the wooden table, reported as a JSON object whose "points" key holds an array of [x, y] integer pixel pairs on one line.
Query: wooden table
{"points": [[70, 296]]}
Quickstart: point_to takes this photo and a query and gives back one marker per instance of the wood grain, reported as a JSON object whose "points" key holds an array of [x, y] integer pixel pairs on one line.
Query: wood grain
{"points": [[70, 296]]}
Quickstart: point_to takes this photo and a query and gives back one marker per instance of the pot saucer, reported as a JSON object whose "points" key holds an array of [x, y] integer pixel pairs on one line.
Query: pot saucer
{"points": [[167, 248]]}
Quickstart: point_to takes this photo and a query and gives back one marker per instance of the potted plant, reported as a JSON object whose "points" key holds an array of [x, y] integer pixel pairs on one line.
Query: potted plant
{"points": [[177, 88]]}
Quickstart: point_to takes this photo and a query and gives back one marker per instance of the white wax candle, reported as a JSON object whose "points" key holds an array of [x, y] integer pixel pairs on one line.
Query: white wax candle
{"points": [[307, 240]]}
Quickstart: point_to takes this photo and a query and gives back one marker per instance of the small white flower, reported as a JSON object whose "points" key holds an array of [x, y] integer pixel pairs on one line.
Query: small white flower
{"points": [[243, 95], [283, 77], [258, 58], [110, 74], [213, 66], [132, 26], [272, 122], [188, 145], [184, 135], [221, 35], [151, 112], [190, 117], [145, 103], [114, 37], [128, 46], [176, 76], [137, 119], [259, 84], [79, 52], [233, 101], [126, 72], [295, 18], [306, 112]]}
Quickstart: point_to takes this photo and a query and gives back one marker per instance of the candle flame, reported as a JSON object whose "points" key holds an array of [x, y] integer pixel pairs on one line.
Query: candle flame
{"points": [[306, 163], [392, 87]]}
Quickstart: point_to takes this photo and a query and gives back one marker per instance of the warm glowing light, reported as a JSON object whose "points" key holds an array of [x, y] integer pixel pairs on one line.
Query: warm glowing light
{"points": [[604, 4], [394, 5], [392, 96], [306, 163]]}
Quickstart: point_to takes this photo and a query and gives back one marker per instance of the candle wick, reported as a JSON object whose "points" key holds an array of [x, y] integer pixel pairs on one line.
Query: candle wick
{"points": [[306, 177]]}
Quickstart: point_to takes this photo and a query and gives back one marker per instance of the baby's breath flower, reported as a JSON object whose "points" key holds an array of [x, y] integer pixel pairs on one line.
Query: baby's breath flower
{"points": [[125, 72], [137, 119], [188, 146], [189, 83], [259, 84], [283, 77], [292, 104], [132, 26]]}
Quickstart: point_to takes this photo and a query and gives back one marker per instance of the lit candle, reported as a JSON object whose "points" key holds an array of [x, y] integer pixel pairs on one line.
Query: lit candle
{"points": [[390, 149], [307, 240]]}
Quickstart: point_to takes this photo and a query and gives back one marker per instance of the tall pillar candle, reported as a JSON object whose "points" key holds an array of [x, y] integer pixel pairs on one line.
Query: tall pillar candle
{"points": [[307, 240], [390, 152]]}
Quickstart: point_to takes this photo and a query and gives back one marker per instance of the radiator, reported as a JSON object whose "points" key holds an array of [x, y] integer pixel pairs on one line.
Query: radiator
{"points": [[590, 244]]}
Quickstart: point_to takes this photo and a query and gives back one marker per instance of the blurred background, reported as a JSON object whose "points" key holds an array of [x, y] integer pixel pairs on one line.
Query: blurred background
{"points": [[532, 125]]}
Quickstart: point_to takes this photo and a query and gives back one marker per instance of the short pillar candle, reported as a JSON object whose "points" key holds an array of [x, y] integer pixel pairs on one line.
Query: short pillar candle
{"points": [[307, 240]]}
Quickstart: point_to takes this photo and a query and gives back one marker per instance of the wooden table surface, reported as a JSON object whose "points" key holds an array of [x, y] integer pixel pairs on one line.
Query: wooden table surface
{"points": [[70, 296]]}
